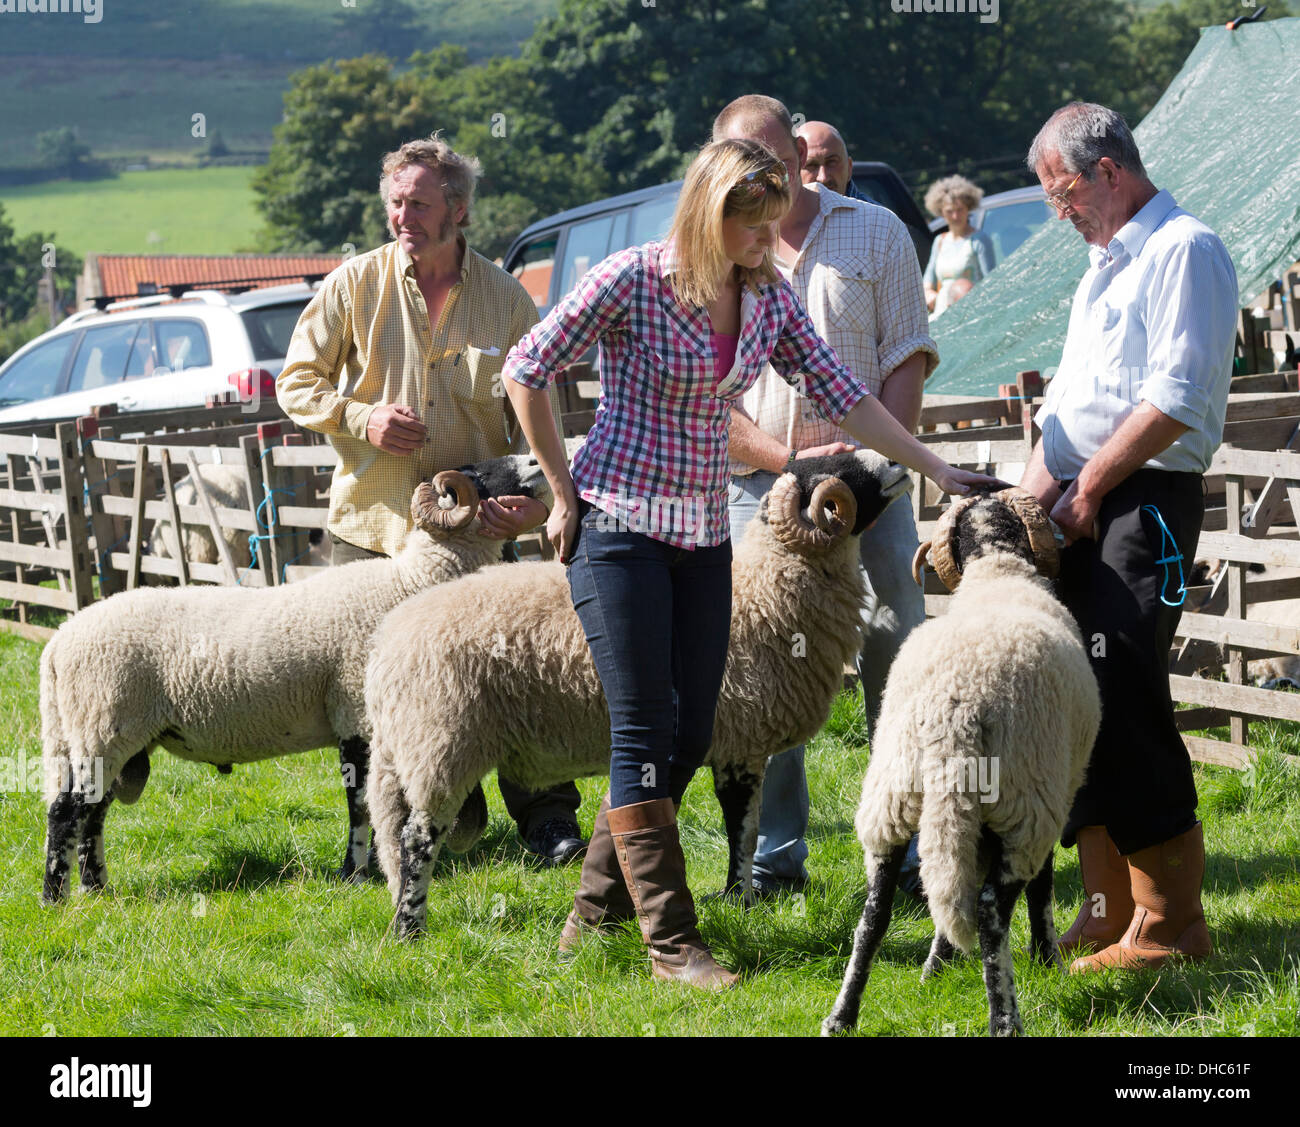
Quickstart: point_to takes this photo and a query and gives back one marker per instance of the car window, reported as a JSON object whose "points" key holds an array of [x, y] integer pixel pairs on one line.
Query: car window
{"points": [[182, 344], [650, 220], [270, 328], [586, 246], [533, 268], [101, 358], [143, 359], [1011, 225], [35, 374]]}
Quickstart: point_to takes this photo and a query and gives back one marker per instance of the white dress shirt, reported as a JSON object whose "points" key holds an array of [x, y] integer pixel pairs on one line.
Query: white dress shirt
{"points": [[1154, 319]]}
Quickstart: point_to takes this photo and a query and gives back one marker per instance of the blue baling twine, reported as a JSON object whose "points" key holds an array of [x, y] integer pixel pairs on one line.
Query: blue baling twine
{"points": [[254, 539], [1167, 545]]}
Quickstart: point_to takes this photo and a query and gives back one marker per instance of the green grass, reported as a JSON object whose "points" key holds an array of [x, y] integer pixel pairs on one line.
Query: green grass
{"points": [[223, 916], [199, 211]]}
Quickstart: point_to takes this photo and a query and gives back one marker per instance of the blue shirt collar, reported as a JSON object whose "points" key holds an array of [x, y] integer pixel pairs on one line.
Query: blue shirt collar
{"points": [[1132, 237]]}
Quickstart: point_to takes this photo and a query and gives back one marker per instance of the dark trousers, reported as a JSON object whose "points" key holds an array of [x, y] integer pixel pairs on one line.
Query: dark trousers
{"points": [[1139, 783], [529, 809], [658, 620]]}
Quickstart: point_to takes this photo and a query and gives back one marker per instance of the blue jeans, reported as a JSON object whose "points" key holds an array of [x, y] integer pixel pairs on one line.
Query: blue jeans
{"points": [[658, 620], [893, 607]]}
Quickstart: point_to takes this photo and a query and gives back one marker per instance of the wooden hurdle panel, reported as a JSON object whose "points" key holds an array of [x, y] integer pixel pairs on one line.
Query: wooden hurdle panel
{"points": [[1224, 622], [130, 483], [43, 534]]}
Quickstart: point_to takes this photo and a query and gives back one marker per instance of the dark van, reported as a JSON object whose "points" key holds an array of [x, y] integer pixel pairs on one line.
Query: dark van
{"points": [[550, 257]]}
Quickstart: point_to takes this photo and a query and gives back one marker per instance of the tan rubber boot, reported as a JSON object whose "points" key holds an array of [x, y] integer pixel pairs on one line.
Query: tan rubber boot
{"points": [[1167, 917], [602, 898], [1108, 898], [654, 869]]}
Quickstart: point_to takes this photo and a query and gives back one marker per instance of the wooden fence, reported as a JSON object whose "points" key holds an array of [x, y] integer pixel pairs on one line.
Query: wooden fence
{"points": [[116, 476]]}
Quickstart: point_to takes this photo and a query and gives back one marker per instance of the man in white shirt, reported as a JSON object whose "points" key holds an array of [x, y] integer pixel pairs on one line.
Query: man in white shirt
{"points": [[854, 267], [1131, 422]]}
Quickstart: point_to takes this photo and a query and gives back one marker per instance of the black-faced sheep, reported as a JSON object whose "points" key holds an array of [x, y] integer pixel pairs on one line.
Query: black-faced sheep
{"points": [[987, 723], [227, 675], [494, 670]]}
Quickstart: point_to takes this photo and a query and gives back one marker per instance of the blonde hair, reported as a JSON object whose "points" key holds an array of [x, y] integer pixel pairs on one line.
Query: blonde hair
{"points": [[459, 173], [710, 195], [950, 190]]}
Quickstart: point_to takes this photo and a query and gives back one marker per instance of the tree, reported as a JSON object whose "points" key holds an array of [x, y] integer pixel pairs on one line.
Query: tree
{"points": [[22, 266], [60, 150], [320, 187]]}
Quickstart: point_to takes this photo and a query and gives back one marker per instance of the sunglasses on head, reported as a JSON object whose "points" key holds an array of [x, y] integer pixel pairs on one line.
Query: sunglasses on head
{"points": [[754, 184]]}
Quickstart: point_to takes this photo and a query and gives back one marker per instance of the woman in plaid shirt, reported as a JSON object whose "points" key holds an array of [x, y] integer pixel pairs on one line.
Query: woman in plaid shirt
{"points": [[685, 327]]}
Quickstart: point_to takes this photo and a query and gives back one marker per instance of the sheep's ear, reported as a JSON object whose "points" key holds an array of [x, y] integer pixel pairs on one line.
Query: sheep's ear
{"points": [[447, 504]]}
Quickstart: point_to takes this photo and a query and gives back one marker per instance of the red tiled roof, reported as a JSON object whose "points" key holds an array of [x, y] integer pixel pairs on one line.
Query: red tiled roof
{"points": [[121, 274]]}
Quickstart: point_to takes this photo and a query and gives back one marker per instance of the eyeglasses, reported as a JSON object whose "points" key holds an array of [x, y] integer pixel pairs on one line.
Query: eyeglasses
{"points": [[754, 184], [1061, 200]]}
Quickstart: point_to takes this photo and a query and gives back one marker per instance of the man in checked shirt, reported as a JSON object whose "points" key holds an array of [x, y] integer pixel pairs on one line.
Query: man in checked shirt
{"points": [[397, 359], [853, 266]]}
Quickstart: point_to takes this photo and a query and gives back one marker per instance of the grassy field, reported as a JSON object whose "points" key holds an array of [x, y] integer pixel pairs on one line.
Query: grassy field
{"points": [[199, 211], [223, 917], [130, 82]]}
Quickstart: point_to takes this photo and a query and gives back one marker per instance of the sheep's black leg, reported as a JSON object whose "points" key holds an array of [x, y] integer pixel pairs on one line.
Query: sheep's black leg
{"points": [[420, 843], [354, 759], [90, 845], [1042, 927], [739, 794], [64, 820], [866, 941], [941, 953], [993, 912]]}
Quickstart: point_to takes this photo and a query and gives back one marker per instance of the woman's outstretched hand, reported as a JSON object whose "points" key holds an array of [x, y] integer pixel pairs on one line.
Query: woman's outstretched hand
{"points": [[955, 481]]}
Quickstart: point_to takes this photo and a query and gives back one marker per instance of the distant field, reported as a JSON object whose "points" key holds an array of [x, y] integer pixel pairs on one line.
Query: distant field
{"points": [[200, 211], [130, 82]]}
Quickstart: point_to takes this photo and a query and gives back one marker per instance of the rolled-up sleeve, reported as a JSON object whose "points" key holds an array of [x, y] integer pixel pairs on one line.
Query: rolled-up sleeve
{"points": [[810, 365], [593, 307], [1191, 325], [307, 386]]}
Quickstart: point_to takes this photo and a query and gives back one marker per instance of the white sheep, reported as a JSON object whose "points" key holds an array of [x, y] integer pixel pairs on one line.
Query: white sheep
{"points": [[494, 671], [227, 675], [227, 487], [986, 727]]}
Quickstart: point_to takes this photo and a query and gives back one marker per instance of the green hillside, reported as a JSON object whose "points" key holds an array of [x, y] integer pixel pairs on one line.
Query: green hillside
{"points": [[191, 211], [131, 82]]}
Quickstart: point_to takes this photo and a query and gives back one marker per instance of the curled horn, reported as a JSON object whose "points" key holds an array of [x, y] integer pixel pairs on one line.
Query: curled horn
{"points": [[833, 509], [942, 556], [446, 505], [918, 563]]}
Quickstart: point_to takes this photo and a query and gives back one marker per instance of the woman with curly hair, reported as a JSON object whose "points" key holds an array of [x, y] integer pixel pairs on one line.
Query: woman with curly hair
{"points": [[960, 253]]}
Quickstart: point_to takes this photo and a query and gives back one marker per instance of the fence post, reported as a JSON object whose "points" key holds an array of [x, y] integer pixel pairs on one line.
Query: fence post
{"points": [[249, 445], [72, 484]]}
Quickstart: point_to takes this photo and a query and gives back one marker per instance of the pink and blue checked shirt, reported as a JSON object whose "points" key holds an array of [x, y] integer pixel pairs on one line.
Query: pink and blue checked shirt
{"points": [[656, 457]]}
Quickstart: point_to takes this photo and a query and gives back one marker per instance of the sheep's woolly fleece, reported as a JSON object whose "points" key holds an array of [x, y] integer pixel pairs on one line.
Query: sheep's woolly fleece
{"points": [[1002, 676]]}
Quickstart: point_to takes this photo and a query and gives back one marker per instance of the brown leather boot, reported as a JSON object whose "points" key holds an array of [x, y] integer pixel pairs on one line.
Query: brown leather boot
{"points": [[654, 869], [602, 898], [1167, 917], [1100, 922]]}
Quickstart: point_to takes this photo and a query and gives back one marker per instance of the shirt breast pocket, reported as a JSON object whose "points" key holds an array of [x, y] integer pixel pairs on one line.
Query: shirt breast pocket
{"points": [[850, 293], [481, 378], [1112, 326]]}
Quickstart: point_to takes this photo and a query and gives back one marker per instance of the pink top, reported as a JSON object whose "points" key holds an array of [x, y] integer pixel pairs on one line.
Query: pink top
{"points": [[724, 354]]}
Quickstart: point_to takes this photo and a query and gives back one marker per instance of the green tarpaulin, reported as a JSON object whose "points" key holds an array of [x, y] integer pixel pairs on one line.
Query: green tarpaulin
{"points": [[1224, 139]]}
